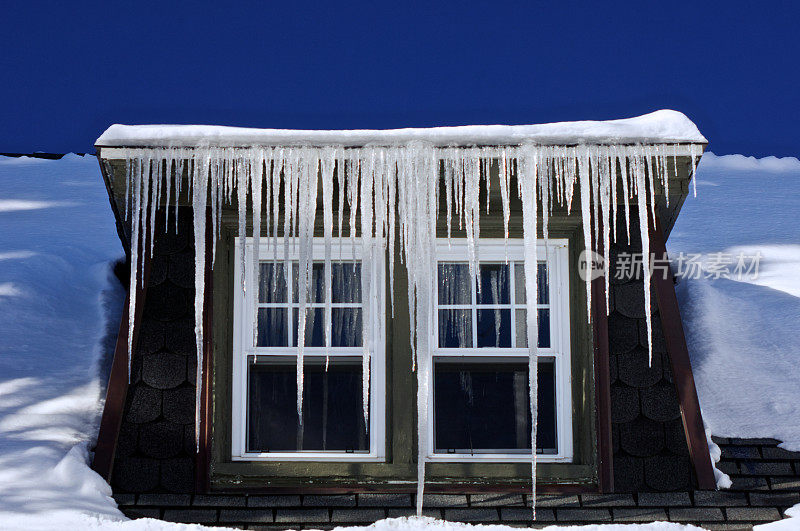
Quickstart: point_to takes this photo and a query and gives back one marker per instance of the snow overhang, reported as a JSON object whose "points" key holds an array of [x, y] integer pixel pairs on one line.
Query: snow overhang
{"points": [[659, 127]]}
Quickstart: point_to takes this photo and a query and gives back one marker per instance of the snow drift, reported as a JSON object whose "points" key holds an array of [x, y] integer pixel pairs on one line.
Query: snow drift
{"points": [[742, 334]]}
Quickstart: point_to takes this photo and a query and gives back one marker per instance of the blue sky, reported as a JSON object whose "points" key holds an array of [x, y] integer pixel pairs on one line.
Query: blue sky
{"points": [[70, 70]]}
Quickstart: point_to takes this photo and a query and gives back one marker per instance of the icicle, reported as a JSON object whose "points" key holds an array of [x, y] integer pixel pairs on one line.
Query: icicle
{"points": [[199, 198], [614, 209], [304, 180], [136, 248], [504, 191], [328, 163], [527, 178], [651, 180], [626, 195], [694, 151], [639, 175], [242, 185], [584, 183], [256, 182], [471, 208], [367, 267], [391, 178], [179, 165], [605, 198]]}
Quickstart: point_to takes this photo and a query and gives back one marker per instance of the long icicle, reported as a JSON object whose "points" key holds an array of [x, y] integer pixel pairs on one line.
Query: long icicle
{"points": [[527, 183], [199, 198]]}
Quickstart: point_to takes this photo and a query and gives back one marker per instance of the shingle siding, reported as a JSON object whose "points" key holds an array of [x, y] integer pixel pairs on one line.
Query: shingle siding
{"points": [[650, 451], [156, 448]]}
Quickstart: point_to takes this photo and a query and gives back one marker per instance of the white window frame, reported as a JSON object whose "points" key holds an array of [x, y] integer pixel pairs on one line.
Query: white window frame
{"points": [[555, 254], [243, 350]]}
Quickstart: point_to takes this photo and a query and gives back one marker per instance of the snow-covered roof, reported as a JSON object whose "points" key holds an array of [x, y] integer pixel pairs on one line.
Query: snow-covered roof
{"points": [[664, 126]]}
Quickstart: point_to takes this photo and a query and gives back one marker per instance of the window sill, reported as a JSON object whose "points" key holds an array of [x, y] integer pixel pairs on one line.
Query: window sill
{"points": [[310, 458]]}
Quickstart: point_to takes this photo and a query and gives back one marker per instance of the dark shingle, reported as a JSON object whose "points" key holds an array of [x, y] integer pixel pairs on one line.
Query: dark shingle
{"points": [[696, 514], [374, 499], [664, 499], [181, 269], [444, 500], [583, 515], [766, 468], [332, 500], [520, 514], [158, 271], [301, 516], [255, 516], [629, 299], [624, 403], [145, 404], [775, 499], [273, 501], [753, 514], [163, 370], [607, 500], [179, 336], [135, 474], [718, 498], [675, 437], [665, 473], [160, 439], [219, 500], [628, 474], [660, 402], [740, 452], [357, 515], [496, 500], [199, 516], [166, 302], [635, 370], [642, 437], [164, 499], [640, 514], [474, 514], [151, 336], [554, 500], [623, 333], [177, 474], [178, 405]]}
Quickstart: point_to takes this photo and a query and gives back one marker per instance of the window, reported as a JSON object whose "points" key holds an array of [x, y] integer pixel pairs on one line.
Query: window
{"points": [[480, 406], [264, 411]]}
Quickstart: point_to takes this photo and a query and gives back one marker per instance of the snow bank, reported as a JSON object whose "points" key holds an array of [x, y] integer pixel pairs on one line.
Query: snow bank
{"points": [[742, 334], [57, 241], [664, 126]]}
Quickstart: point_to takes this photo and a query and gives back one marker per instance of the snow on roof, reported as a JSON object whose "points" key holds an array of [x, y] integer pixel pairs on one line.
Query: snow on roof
{"points": [[664, 126]]}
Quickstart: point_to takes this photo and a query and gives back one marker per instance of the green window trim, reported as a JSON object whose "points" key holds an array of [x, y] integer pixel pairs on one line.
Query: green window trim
{"points": [[399, 468]]}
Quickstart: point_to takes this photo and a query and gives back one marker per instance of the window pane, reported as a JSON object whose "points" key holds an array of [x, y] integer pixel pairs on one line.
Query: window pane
{"points": [[272, 327], [454, 284], [333, 419], [315, 327], [315, 290], [542, 291], [493, 284], [346, 280], [484, 407], [494, 328], [271, 283], [544, 328], [346, 327], [455, 328]]}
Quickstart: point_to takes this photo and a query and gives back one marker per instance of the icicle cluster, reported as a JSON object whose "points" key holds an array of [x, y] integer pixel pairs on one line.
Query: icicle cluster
{"points": [[387, 186]]}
